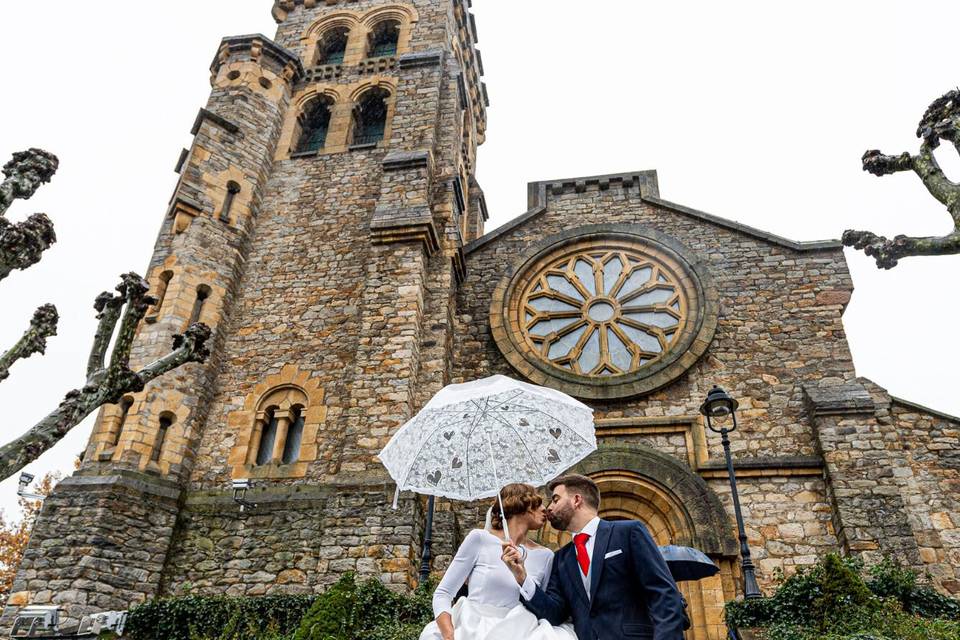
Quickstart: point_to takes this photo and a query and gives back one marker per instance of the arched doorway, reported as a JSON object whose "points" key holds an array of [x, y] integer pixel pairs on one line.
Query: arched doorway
{"points": [[676, 505]]}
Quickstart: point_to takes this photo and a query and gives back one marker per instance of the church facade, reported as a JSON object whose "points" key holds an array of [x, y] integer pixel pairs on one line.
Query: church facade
{"points": [[327, 223]]}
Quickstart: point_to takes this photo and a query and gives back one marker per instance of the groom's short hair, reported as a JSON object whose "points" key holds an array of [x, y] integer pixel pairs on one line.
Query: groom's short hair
{"points": [[581, 485]]}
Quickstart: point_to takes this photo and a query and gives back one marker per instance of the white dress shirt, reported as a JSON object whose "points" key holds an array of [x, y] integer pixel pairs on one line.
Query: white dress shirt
{"points": [[529, 586]]}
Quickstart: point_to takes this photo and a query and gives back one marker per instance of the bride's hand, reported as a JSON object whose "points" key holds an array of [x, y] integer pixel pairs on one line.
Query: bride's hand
{"points": [[514, 561]]}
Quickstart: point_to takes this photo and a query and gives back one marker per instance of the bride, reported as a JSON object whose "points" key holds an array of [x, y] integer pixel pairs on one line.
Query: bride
{"points": [[492, 610]]}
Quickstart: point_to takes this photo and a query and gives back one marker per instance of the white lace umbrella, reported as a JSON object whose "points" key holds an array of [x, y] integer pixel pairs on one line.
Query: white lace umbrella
{"points": [[471, 439]]}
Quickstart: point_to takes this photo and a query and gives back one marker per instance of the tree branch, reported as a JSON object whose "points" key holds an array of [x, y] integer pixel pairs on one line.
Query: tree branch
{"points": [[108, 309], [24, 174], [110, 384], [133, 289], [34, 340], [191, 346], [941, 121], [888, 252], [22, 244]]}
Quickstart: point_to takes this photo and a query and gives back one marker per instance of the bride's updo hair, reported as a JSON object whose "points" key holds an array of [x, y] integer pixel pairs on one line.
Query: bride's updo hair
{"points": [[518, 499]]}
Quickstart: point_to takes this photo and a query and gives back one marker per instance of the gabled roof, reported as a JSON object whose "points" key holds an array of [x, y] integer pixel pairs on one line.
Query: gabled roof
{"points": [[649, 193]]}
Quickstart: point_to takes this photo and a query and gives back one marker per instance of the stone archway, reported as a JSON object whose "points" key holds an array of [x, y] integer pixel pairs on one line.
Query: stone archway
{"points": [[638, 483]]}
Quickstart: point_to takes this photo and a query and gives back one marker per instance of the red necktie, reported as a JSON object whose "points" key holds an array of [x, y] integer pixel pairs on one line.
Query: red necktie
{"points": [[583, 558]]}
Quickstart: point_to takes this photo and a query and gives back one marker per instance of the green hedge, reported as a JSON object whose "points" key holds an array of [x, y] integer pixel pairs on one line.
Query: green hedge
{"points": [[346, 611], [836, 600]]}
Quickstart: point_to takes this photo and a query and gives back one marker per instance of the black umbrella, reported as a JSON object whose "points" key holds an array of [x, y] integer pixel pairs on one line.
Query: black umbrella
{"points": [[687, 563]]}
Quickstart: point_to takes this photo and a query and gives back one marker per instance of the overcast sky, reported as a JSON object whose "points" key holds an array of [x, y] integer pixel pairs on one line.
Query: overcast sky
{"points": [[754, 111]]}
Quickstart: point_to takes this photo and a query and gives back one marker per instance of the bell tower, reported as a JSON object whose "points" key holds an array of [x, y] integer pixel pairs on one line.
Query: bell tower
{"points": [[317, 224]]}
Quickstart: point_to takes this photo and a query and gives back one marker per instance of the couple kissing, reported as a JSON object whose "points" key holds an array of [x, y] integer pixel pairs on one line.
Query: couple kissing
{"points": [[611, 582]]}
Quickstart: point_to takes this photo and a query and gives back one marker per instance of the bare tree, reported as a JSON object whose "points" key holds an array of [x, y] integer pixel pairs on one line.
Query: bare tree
{"points": [[940, 122], [108, 375]]}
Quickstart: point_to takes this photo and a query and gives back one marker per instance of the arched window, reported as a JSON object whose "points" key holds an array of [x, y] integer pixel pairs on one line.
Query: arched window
{"points": [[162, 283], [166, 421], [267, 438], [370, 117], [291, 448], [332, 46], [384, 38], [203, 292], [232, 190], [278, 432], [314, 122], [125, 405]]}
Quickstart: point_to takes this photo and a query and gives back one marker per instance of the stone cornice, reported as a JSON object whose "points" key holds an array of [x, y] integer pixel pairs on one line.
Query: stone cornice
{"points": [[848, 398], [538, 193], [206, 114]]}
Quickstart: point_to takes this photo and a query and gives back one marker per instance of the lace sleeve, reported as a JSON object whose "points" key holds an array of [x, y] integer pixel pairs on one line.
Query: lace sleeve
{"points": [[457, 573]]}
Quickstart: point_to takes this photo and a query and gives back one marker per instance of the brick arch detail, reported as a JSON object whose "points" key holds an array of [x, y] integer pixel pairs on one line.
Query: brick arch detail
{"points": [[690, 511]]}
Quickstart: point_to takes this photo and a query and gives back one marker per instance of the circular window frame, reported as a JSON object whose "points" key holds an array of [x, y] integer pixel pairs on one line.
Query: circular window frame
{"points": [[702, 307]]}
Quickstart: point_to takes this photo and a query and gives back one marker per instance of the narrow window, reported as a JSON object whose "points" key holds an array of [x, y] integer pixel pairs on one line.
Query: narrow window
{"points": [[232, 190], [291, 448], [203, 292], [166, 421], [162, 283], [125, 405], [265, 452], [370, 117], [314, 123], [384, 38], [332, 46]]}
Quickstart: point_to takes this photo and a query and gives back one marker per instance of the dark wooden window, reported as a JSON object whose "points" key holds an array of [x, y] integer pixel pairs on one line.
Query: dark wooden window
{"points": [[203, 292], [332, 46], [291, 448], [314, 124], [370, 117], [384, 39], [125, 405], [232, 190], [166, 421], [267, 438]]}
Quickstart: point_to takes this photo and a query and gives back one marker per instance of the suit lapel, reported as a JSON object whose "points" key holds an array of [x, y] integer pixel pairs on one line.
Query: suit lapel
{"points": [[599, 550], [573, 572]]}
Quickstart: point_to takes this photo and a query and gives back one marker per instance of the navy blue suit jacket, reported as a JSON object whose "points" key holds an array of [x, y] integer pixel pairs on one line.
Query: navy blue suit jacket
{"points": [[632, 592]]}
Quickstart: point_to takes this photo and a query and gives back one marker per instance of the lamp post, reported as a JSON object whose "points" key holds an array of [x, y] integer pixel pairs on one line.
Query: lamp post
{"points": [[427, 543], [720, 405]]}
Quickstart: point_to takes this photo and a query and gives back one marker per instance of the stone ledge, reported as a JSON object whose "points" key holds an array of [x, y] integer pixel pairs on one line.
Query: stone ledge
{"points": [[128, 479], [405, 225], [774, 463], [844, 399], [401, 160], [430, 58], [206, 114]]}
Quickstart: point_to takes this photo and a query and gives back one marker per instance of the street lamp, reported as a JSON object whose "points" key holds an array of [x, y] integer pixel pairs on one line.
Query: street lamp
{"points": [[719, 405]]}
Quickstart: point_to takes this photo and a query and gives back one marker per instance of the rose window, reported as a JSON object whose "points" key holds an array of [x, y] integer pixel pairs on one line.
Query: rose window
{"points": [[603, 313]]}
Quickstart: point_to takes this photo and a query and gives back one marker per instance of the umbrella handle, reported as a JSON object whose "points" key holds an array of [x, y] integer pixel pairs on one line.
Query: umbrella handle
{"points": [[503, 517]]}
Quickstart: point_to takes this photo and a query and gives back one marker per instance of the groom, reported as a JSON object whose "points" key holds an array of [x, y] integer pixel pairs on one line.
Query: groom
{"points": [[612, 580]]}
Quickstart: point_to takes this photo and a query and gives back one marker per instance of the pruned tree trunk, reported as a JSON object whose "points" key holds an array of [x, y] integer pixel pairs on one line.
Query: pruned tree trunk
{"points": [[108, 379], [109, 376], [940, 122]]}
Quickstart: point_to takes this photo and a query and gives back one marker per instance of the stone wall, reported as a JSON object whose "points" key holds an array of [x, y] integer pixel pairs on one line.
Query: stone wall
{"points": [[99, 544]]}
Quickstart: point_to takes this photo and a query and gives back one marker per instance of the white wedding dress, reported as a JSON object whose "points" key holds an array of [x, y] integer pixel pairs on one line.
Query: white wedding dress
{"points": [[492, 611]]}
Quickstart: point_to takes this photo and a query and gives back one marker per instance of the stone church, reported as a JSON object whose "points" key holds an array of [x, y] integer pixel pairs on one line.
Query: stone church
{"points": [[327, 223]]}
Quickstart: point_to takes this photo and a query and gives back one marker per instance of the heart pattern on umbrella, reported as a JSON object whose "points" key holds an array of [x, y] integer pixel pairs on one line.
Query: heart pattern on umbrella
{"points": [[553, 456], [556, 432], [434, 478], [457, 463], [448, 435]]}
